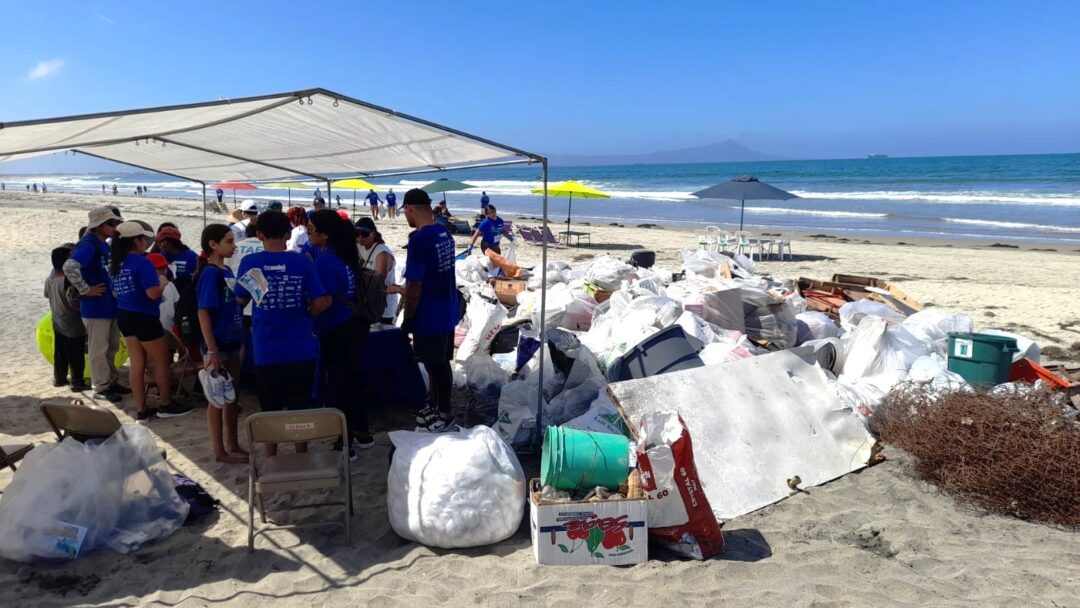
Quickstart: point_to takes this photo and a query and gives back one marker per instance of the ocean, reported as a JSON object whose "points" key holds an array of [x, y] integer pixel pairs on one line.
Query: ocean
{"points": [[1033, 198]]}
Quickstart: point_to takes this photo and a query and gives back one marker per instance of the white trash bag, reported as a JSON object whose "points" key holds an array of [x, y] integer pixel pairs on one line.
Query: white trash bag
{"points": [[118, 490], [454, 490], [485, 319]]}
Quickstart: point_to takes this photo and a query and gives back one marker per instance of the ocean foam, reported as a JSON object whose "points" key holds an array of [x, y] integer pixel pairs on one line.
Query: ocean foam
{"points": [[974, 197], [1021, 225], [783, 211]]}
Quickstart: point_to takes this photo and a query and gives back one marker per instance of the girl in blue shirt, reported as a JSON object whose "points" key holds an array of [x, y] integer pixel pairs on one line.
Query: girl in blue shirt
{"points": [[222, 330], [138, 288], [341, 334]]}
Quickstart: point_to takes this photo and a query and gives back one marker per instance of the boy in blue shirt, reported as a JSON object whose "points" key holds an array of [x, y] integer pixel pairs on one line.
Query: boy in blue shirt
{"points": [[283, 342], [391, 204], [431, 306], [489, 231], [374, 200]]}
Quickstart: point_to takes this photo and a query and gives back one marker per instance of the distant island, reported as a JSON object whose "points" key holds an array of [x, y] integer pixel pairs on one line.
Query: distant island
{"points": [[720, 152], [877, 156]]}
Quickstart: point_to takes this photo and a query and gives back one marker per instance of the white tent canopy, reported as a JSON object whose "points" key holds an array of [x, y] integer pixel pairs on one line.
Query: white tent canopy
{"points": [[312, 133]]}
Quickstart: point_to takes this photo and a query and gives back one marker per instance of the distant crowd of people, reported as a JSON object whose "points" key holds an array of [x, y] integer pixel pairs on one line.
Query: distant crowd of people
{"points": [[285, 281]]}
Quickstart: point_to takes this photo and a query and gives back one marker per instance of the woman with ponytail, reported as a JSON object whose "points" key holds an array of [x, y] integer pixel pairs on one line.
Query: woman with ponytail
{"points": [[138, 289], [341, 334]]}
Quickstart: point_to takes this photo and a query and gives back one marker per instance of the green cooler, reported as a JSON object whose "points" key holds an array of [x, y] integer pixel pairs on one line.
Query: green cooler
{"points": [[982, 359]]}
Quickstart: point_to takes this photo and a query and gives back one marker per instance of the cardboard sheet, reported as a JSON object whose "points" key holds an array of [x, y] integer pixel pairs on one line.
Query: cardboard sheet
{"points": [[755, 424]]}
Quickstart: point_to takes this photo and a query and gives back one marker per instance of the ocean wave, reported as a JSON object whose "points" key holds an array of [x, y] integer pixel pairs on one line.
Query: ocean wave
{"points": [[1020, 225], [782, 211], [980, 197]]}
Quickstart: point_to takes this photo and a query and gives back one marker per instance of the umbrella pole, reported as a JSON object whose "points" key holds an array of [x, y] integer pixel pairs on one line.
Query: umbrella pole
{"points": [[290, 197], [543, 315], [204, 205], [354, 204], [742, 213], [569, 208], [329, 196]]}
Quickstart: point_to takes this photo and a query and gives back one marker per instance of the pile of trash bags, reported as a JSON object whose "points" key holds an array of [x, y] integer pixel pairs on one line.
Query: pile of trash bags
{"points": [[599, 311]]}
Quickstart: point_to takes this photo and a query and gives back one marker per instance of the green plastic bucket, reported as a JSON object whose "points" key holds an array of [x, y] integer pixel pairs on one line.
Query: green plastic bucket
{"points": [[982, 359], [574, 460]]}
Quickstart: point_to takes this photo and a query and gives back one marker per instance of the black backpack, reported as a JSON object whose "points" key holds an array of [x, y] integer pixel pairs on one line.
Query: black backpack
{"points": [[370, 301]]}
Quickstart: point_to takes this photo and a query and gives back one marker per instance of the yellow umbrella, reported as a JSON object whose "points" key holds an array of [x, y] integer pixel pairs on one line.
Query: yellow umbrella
{"points": [[354, 184], [570, 188], [288, 186]]}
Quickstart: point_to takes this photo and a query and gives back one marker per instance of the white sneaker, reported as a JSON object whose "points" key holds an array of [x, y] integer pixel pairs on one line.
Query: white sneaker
{"points": [[440, 424], [213, 385], [228, 388]]}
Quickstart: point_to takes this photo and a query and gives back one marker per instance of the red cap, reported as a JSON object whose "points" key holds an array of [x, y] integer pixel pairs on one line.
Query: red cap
{"points": [[157, 259], [344, 214], [167, 232]]}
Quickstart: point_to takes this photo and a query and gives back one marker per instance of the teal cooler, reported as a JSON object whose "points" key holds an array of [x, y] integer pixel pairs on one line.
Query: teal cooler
{"points": [[982, 359]]}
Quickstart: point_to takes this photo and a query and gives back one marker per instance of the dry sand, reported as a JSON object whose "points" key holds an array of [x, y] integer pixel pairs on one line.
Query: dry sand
{"points": [[878, 537]]}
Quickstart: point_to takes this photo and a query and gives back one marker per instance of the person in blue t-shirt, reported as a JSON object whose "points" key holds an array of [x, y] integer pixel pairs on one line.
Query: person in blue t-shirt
{"points": [[341, 333], [179, 255], [373, 199], [283, 342], [138, 288], [222, 326], [489, 231], [220, 195], [391, 204], [484, 202], [431, 305], [88, 271]]}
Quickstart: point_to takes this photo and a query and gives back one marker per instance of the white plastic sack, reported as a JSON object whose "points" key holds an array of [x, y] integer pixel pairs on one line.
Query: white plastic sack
{"points": [[484, 374], [815, 325], [485, 319], [454, 490], [852, 313], [608, 273], [118, 489], [578, 313], [768, 317], [875, 348], [1028, 348], [719, 352], [933, 326], [601, 417]]}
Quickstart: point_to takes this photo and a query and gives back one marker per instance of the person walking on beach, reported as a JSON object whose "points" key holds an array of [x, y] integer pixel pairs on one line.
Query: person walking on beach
{"points": [[341, 333], [484, 202], [69, 333], [431, 306], [103, 189], [138, 288], [284, 345], [391, 204], [374, 200], [376, 255], [489, 231], [44, 188], [35, 187], [222, 342], [220, 195], [115, 190], [88, 271]]}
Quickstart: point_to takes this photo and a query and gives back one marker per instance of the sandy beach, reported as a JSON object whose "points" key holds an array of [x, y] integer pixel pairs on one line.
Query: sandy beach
{"points": [[878, 537]]}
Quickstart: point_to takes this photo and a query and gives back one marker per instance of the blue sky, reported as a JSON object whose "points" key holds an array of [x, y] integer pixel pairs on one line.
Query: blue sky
{"points": [[799, 79]]}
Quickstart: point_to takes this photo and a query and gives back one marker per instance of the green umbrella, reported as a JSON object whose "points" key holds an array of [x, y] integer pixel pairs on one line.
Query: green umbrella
{"points": [[445, 185]]}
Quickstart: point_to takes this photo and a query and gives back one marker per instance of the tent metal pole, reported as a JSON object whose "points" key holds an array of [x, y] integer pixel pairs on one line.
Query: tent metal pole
{"points": [[543, 316], [203, 204], [329, 196]]}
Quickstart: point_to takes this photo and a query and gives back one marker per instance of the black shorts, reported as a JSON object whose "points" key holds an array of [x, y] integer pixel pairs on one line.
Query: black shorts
{"points": [[286, 386], [144, 327], [436, 348], [484, 246]]}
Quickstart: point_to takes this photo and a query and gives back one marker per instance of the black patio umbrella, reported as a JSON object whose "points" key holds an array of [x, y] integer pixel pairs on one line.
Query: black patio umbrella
{"points": [[744, 188]]}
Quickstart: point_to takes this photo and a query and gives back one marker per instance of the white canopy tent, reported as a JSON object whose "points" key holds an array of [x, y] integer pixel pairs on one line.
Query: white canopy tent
{"points": [[313, 133]]}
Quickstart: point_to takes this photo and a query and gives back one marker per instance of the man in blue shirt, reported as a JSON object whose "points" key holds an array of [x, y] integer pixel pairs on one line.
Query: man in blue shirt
{"points": [[484, 201], [220, 195], [373, 199], [391, 204], [284, 345], [431, 306], [88, 271], [490, 231]]}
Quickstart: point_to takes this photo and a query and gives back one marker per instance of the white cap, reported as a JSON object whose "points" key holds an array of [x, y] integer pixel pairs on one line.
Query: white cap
{"points": [[249, 206]]}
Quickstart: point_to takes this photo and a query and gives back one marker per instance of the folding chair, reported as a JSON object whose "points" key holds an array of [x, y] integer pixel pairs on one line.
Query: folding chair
{"points": [[183, 365], [298, 472], [81, 422], [551, 239], [10, 453], [712, 238]]}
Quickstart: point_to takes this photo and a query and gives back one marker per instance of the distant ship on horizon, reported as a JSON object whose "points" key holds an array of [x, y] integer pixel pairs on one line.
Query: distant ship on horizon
{"points": [[877, 156]]}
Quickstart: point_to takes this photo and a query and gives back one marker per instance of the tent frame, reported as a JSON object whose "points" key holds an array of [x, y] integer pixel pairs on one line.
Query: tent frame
{"points": [[299, 97]]}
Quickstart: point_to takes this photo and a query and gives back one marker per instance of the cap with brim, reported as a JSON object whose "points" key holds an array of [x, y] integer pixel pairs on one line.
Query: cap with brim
{"points": [[365, 225], [101, 215], [157, 260], [274, 205], [128, 230], [167, 232], [249, 206], [416, 196]]}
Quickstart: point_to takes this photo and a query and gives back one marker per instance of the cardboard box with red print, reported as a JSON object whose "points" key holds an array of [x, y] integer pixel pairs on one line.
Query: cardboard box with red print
{"points": [[608, 532]]}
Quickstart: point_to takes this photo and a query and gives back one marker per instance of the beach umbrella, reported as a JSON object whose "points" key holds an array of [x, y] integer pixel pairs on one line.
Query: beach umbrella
{"points": [[570, 189], [354, 184], [234, 186], [288, 186], [445, 185], [742, 189]]}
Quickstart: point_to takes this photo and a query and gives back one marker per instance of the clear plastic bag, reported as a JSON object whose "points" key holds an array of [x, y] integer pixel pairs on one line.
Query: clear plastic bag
{"points": [[454, 490], [118, 490]]}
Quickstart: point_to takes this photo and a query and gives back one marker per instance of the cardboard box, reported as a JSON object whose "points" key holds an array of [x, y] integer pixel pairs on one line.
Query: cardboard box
{"points": [[507, 290], [609, 532]]}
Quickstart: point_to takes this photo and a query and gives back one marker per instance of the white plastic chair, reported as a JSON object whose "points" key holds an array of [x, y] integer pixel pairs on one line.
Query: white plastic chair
{"points": [[712, 238], [781, 246]]}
